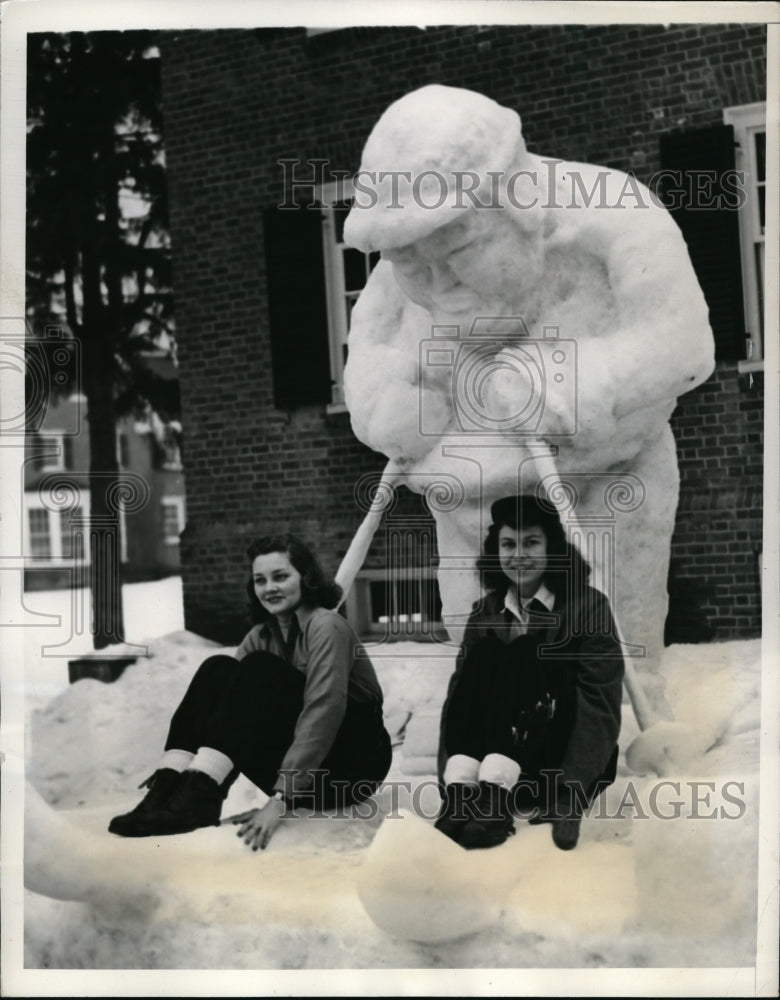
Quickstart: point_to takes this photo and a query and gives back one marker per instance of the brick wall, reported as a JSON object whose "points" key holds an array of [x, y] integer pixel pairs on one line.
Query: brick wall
{"points": [[238, 101], [714, 578]]}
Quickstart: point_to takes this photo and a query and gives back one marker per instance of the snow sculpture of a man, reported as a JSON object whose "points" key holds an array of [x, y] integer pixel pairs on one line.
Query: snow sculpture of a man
{"points": [[522, 302]]}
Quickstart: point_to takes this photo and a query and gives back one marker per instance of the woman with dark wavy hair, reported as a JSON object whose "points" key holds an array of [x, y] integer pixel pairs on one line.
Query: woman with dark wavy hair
{"points": [[298, 710], [532, 713]]}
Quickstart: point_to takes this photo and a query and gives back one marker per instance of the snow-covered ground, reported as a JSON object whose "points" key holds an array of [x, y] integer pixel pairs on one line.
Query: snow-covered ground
{"points": [[57, 628], [643, 889]]}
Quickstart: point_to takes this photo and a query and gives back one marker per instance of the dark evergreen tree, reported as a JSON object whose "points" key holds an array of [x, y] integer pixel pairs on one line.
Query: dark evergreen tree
{"points": [[98, 256]]}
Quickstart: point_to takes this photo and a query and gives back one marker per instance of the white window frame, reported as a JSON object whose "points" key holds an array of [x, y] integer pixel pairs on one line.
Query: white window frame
{"points": [[33, 500], [747, 120], [31, 554], [52, 462], [329, 195], [119, 434], [177, 503]]}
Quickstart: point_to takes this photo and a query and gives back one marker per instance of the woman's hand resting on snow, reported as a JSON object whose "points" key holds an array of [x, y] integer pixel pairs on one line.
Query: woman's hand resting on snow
{"points": [[257, 826]]}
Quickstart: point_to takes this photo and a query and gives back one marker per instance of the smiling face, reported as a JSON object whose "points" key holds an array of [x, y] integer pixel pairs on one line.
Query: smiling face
{"points": [[523, 558], [277, 583]]}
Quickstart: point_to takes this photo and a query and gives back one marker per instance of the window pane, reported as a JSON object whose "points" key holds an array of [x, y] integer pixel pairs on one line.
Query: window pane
{"points": [[350, 302], [760, 277], [760, 147], [354, 270], [340, 213], [373, 259], [40, 540], [761, 206], [432, 600], [53, 451], [171, 524], [381, 607], [408, 598], [67, 527]]}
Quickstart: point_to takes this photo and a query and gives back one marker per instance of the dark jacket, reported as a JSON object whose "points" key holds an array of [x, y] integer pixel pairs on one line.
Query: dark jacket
{"points": [[581, 632]]}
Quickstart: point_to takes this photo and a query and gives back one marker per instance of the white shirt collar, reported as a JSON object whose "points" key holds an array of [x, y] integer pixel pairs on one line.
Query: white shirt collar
{"points": [[543, 594]]}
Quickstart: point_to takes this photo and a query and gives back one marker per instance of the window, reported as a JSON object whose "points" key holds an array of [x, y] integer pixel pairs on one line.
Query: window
{"points": [[123, 454], [749, 123], [39, 537], [172, 509], [395, 603], [346, 273], [169, 445], [54, 534], [52, 445], [71, 542]]}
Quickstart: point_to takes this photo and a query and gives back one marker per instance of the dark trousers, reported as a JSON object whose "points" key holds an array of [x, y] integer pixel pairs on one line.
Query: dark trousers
{"points": [[248, 709], [509, 700]]}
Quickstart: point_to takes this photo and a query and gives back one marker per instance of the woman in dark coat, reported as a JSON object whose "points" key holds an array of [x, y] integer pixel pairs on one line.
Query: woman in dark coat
{"points": [[532, 713]]}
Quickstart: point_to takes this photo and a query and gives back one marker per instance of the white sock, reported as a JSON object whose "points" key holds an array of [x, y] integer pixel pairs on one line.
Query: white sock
{"points": [[462, 770], [499, 770], [213, 763], [177, 760]]}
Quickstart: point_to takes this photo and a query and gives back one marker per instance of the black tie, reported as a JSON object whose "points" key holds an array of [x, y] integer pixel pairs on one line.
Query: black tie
{"points": [[536, 608]]}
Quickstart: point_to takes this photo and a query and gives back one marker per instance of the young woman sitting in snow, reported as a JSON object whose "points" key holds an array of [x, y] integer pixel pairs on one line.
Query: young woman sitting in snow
{"points": [[298, 710], [532, 713]]}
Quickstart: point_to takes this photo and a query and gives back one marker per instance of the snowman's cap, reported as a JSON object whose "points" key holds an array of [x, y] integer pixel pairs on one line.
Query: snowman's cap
{"points": [[420, 160]]}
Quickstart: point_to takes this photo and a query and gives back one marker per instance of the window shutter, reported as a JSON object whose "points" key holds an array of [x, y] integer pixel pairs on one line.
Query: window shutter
{"points": [[712, 233], [297, 307]]}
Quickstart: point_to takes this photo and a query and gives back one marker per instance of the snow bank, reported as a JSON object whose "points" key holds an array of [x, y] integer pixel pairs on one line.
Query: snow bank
{"points": [[639, 890]]}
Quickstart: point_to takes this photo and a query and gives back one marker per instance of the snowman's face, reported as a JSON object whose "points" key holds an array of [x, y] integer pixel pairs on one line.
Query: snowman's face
{"points": [[480, 257]]}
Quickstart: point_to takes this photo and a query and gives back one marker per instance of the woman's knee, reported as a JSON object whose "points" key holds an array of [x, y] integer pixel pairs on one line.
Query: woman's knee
{"points": [[214, 670], [217, 663], [265, 671]]}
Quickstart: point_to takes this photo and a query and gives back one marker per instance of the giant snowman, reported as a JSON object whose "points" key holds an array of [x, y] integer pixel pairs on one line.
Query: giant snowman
{"points": [[527, 315]]}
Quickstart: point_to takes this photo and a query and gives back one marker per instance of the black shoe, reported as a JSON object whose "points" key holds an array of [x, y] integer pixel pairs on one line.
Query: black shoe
{"points": [[492, 823], [161, 786], [562, 807], [456, 810], [196, 801], [566, 833]]}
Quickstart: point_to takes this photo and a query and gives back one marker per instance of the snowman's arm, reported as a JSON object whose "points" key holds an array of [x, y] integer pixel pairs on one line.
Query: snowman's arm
{"points": [[661, 345]]}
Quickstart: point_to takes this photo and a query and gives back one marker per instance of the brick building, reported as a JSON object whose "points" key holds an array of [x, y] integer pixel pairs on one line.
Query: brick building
{"points": [[268, 443]]}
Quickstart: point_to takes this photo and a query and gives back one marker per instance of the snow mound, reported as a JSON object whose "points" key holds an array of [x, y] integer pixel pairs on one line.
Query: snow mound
{"points": [[651, 883]]}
